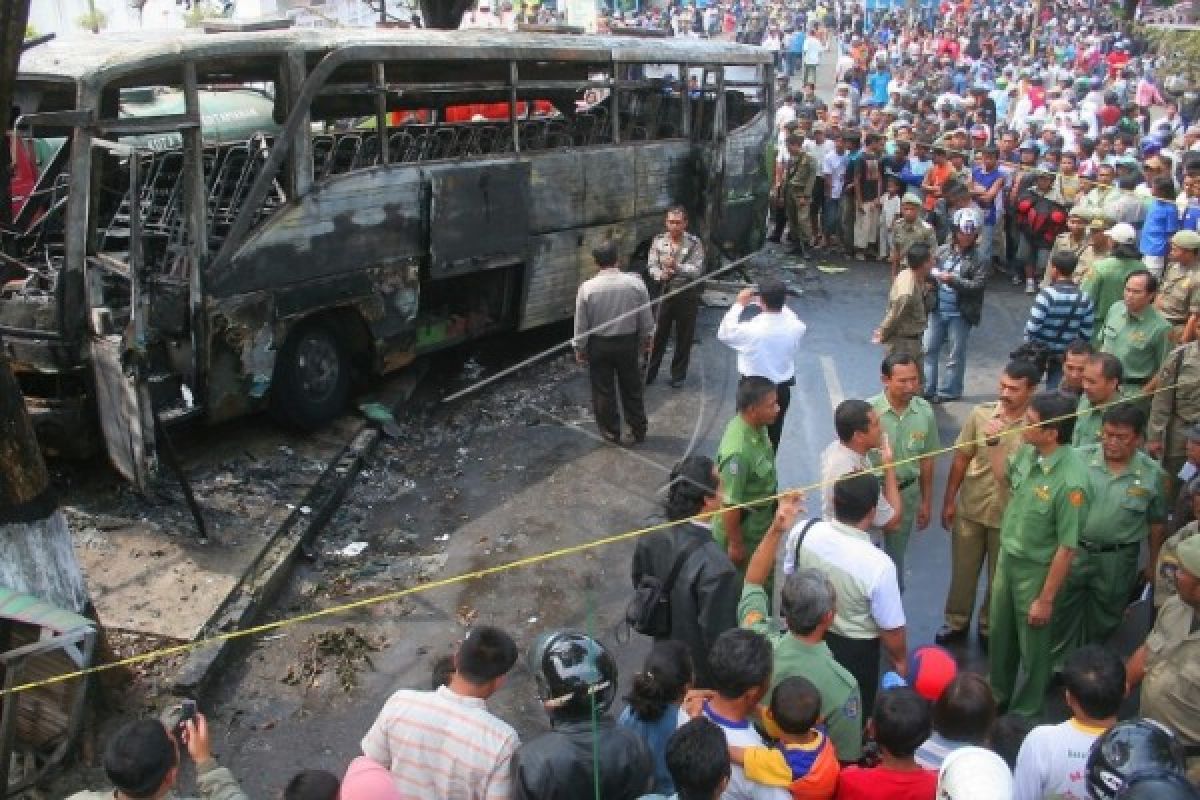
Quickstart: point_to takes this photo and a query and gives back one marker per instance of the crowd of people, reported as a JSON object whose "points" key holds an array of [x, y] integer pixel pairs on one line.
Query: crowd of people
{"points": [[963, 141]]}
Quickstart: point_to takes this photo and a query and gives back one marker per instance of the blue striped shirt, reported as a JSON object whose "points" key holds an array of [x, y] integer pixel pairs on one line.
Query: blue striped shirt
{"points": [[1052, 321]]}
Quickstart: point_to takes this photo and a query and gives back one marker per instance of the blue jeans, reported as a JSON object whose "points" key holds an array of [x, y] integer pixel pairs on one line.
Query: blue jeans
{"points": [[940, 329], [984, 244]]}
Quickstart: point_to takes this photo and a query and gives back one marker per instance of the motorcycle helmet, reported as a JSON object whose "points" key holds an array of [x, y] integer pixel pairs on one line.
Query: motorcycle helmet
{"points": [[1129, 748], [574, 673], [1158, 784], [966, 220]]}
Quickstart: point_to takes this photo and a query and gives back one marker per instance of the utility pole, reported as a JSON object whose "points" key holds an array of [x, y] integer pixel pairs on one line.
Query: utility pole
{"points": [[36, 556]]}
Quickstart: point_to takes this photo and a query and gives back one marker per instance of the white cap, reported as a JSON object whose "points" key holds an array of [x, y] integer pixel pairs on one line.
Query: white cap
{"points": [[974, 773], [1122, 233]]}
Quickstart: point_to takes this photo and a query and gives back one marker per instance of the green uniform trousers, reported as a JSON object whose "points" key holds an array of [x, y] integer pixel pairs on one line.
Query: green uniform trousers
{"points": [[1092, 601], [1015, 644], [896, 543], [970, 543]]}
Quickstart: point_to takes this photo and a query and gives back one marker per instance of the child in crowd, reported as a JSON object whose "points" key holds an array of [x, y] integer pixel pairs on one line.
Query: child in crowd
{"points": [[804, 760], [889, 210], [900, 724], [654, 709], [962, 716], [313, 784], [368, 780]]}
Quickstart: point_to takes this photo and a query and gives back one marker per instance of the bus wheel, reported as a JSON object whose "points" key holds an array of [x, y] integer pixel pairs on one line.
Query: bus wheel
{"points": [[312, 377]]}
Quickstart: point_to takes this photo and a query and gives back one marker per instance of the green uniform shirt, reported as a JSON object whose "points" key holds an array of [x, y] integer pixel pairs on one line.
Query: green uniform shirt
{"points": [[1088, 421], [1140, 342], [912, 434], [1122, 507], [746, 461], [841, 706], [1047, 506], [1106, 284]]}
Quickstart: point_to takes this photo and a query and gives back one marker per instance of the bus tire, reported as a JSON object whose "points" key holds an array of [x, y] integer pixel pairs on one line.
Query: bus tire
{"points": [[312, 377]]}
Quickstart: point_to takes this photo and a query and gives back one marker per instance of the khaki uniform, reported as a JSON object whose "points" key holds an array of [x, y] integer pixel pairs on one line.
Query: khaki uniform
{"points": [[1168, 563], [1176, 406], [798, 186], [905, 234], [1179, 296], [1045, 511], [976, 529], [905, 319], [913, 434], [1087, 261], [1063, 243], [1092, 600], [1171, 688]]}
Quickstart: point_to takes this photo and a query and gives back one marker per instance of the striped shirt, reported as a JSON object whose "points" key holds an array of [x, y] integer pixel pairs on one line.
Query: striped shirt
{"points": [[1053, 323], [443, 746]]}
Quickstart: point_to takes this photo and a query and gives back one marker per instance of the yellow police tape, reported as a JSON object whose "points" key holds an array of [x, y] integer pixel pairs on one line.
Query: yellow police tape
{"points": [[483, 573]]}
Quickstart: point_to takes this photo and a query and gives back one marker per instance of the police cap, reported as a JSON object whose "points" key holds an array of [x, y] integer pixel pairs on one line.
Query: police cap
{"points": [[1187, 239]]}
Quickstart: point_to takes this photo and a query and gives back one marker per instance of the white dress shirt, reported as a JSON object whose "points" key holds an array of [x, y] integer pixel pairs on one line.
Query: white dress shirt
{"points": [[766, 345]]}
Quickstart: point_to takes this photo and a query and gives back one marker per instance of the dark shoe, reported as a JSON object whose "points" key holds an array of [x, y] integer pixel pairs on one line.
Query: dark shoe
{"points": [[638, 438], [774, 239], [651, 377], [676, 383], [610, 437], [948, 635], [983, 641], [948, 398]]}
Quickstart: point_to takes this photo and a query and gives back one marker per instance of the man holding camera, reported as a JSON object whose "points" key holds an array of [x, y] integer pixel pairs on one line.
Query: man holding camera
{"points": [[142, 760]]}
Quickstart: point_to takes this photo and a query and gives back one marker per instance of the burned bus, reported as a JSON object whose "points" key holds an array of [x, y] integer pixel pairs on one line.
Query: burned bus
{"points": [[156, 274]]}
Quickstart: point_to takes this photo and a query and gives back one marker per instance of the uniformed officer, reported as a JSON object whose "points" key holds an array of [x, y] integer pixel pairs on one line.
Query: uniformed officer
{"points": [[612, 325], [808, 609], [1179, 297], [904, 321], [1046, 486], [1128, 507], [1101, 388], [1166, 665], [907, 419], [1098, 247], [746, 461], [1175, 408], [1167, 563], [909, 229], [798, 185], [1106, 283], [1136, 333], [971, 506], [1073, 240], [676, 262]]}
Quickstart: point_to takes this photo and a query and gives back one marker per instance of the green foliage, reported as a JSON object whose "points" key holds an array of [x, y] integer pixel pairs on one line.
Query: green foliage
{"points": [[93, 20], [200, 11], [1181, 49]]}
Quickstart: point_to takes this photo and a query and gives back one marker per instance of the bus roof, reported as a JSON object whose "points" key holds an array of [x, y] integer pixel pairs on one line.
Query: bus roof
{"points": [[99, 59]]}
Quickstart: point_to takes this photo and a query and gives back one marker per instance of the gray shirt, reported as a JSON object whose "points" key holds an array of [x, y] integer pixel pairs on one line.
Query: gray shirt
{"points": [[611, 304]]}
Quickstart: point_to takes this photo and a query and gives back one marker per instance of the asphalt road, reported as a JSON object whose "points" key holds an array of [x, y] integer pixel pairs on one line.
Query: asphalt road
{"points": [[521, 489]]}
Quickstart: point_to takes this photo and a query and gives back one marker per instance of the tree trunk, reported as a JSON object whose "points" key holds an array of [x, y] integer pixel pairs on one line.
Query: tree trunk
{"points": [[36, 555]]}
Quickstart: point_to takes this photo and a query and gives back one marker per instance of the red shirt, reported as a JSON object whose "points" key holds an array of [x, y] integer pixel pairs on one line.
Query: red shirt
{"points": [[880, 783]]}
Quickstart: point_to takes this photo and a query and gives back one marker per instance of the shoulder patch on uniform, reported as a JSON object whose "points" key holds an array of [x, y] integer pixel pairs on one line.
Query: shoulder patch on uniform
{"points": [[851, 708], [1075, 498]]}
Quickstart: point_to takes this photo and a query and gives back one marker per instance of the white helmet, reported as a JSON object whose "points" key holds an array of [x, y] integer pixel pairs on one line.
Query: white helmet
{"points": [[966, 220], [974, 773]]}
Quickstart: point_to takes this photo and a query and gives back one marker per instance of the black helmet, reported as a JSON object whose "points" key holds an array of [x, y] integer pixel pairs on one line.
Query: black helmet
{"points": [[1157, 784], [573, 671], [1128, 748]]}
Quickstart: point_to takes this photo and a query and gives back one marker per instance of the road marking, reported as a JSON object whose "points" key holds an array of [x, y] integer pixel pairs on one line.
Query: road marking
{"points": [[832, 382]]}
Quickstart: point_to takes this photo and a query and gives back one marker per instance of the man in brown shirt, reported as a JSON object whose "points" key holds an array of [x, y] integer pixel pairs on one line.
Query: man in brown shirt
{"points": [[904, 322], [971, 508], [612, 318]]}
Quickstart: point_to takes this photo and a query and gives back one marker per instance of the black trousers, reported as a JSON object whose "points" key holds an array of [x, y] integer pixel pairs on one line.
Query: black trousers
{"points": [[783, 396], [678, 312], [613, 366], [860, 657]]}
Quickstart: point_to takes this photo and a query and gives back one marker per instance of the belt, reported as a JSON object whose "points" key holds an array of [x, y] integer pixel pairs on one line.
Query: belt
{"points": [[1094, 548], [789, 382], [1135, 381]]}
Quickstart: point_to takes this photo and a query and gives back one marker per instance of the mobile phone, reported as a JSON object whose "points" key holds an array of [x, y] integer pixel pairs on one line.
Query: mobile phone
{"points": [[187, 712]]}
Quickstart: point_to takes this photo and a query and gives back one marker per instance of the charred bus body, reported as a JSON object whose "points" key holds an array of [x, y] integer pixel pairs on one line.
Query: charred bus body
{"points": [[149, 283]]}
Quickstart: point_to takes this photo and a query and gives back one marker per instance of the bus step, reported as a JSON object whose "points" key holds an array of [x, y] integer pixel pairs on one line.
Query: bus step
{"points": [[179, 415]]}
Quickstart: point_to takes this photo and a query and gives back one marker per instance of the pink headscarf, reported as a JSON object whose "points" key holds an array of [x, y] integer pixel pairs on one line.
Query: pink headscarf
{"points": [[367, 779]]}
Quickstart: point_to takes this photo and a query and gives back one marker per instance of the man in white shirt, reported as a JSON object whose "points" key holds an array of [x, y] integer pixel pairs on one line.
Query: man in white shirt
{"points": [[740, 663], [869, 615], [766, 343], [1052, 761], [426, 756], [859, 431], [813, 49]]}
